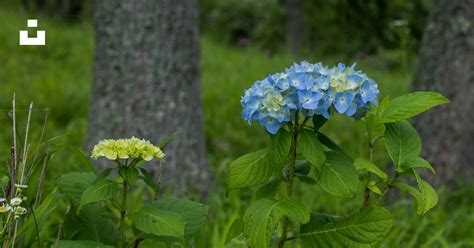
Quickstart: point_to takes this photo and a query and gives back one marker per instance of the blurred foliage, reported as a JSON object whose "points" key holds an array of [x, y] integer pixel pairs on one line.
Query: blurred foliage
{"points": [[58, 76], [70, 10], [351, 26], [245, 21]]}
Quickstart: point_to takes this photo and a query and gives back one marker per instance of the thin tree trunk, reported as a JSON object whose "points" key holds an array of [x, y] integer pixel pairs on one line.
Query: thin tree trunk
{"points": [[146, 83], [447, 65]]}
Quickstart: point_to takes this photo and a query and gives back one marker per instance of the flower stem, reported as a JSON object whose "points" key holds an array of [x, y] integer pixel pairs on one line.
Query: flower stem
{"points": [[123, 213], [291, 175], [367, 190]]}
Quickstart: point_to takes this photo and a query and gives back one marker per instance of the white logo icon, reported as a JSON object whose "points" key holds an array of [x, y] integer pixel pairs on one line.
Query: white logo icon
{"points": [[39, 40]]}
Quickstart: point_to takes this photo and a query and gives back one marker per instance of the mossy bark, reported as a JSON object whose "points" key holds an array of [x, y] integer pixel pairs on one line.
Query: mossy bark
{"points": [[447, 65], [146, 84]]}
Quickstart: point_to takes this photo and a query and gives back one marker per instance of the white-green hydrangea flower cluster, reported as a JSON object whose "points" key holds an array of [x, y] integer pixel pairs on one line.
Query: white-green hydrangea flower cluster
{"points": [[127, 148]]}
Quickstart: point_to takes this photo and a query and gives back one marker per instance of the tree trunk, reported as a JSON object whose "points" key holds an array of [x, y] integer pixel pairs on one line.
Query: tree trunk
{"points": [[146, 84], [294, 26], [447, 65]]}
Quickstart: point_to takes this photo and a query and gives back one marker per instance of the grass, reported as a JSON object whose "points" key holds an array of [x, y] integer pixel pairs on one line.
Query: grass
{"points": [[58, 76]]}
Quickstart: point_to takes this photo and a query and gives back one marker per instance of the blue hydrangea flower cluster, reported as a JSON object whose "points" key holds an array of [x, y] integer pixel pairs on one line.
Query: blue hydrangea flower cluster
{"points": [[311, 89]]}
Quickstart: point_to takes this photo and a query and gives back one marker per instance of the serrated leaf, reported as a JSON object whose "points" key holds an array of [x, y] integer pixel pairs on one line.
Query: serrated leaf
{"points": [[103, 175], [415, 163], [330, 144], [149, 180], [80, 244], [100, 191], [420, 202], [270, 188], [90, 224], [193, 213], [411, 104], [402, 142], [161, 223], [249, 170], [312, 150], [364, 164], [278, 152], [73, 184], [318, 122], [426, 197], [364, 228], [338, 176], [262, 216]]}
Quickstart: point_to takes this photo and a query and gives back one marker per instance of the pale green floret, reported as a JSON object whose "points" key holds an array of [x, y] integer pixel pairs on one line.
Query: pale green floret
{"points": [[127, 148], [274, 102]]}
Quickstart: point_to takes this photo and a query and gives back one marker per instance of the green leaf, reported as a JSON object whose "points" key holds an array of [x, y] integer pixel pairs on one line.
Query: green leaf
{"points": [[100, 191], [149, 180], [249, 170], [80, 244], [375, 128], [132, 175], [302, 167], [305, 179], [73, 184], [92, 223], [411, 104], [429, 195], [420, 202], [280, 148], [270, 188], [86, 162], [402, 142], [364, 228], [415, 163], [318, 122], [41, 215], [374, 189], [156, 222], [338, 176], [426, 197], [327, 142], [237, 242], [193, 213], [262, 216], [364, 164], [312, 150], [103, 175], [166, 140]]}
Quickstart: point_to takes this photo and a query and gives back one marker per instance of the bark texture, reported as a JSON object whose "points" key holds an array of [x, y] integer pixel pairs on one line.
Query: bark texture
{"points": [[294, 26], [146, 84], [447, 65]]}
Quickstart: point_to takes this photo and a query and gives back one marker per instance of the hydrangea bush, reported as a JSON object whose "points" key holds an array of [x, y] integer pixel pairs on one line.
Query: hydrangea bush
{"points": [[292, 106], [164, 220]]}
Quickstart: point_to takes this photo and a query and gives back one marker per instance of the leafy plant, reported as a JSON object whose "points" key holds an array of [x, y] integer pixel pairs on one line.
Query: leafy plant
{"points": [[94, 199], [285, 103]]}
